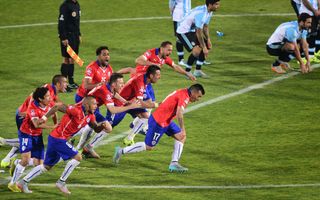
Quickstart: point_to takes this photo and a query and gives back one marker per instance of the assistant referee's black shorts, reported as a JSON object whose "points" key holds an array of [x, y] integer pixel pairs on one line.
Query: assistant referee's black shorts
{"points": [[74, 42]]}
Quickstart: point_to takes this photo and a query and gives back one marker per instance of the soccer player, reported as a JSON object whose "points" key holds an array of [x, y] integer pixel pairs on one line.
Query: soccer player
{"points": [[30, 134], [69, 34], [296, 6], [160, 122], [178, 9], [97, 73], [104, 95], [312, 8], [136, 89], [284, 44], [193, 32], [76, 117], [156, 56], [57, 85]]}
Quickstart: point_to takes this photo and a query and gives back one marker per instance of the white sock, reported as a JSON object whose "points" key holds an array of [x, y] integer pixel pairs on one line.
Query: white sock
{"points": [[135, 148], [85, 135], [97, 138], [140, 123], [17, 173], [12, 153], [36, 171], [177, 151], [68, 169], [16, 162], [12, 142]]}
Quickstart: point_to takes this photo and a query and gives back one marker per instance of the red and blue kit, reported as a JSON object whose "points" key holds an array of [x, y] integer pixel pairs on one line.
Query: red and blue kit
{"points": [[97, 74], [72, 121], [152, 55]]}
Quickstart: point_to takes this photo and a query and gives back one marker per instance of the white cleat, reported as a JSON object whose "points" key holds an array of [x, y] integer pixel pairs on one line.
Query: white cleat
{"points": [[182, 63], [23, 186], [200, 73], [62, 186], [117, 155]]}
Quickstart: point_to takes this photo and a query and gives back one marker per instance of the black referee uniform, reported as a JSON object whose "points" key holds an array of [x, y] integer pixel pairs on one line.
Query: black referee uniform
{"points": [[69, 29]]}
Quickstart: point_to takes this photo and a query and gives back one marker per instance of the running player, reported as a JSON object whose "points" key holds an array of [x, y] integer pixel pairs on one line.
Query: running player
{"points": [[161, 122], [105, 96], [30, 134], [76, 118], [57, 85], [97, 73]]}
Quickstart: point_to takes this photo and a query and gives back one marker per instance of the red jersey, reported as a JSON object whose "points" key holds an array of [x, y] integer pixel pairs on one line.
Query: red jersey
{"points": [[72, 121], [102, 94], [34, 111], [164, 114], [97, 74], [152, 55], [29, 99], [134, 88]]}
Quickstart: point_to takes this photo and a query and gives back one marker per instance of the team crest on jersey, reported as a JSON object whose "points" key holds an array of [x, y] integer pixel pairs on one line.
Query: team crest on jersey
{"points": [[33, 113], [89, 71], [109, 97], [74, 14], [88, 120]]}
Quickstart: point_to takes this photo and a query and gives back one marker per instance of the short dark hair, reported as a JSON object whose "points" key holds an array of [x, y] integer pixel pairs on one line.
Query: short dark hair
{"points": [[211, 2], [57, 78], [39, 93], [152, 70], [197, 87], [114, 77], [303, 17], [99, 49], [165, 43]]}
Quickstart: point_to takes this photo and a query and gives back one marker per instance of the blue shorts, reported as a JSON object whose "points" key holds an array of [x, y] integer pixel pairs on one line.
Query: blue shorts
{"points": [[115, 119], [155, 131], [77, 98], [58, 148], [31, 143], [149, 94], [19, 119]]}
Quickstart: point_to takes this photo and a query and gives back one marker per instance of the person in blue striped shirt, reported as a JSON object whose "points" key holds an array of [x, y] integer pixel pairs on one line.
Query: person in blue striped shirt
{"points": [[193, 32], [287, 41], [179, 9]]}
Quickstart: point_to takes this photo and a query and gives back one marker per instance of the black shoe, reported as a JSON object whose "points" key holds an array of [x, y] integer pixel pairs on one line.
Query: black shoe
{"points": [[68, 89], [73, 86]]}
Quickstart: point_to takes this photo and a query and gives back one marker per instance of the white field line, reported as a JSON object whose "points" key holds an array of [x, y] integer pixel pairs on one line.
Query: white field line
{"points": [[144, 18], [214, 187], [217, 99]]}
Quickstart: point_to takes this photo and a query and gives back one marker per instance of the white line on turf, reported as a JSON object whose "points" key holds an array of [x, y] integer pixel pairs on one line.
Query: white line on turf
{"points": [[217, 99], [144, 18], [214, 187]]}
